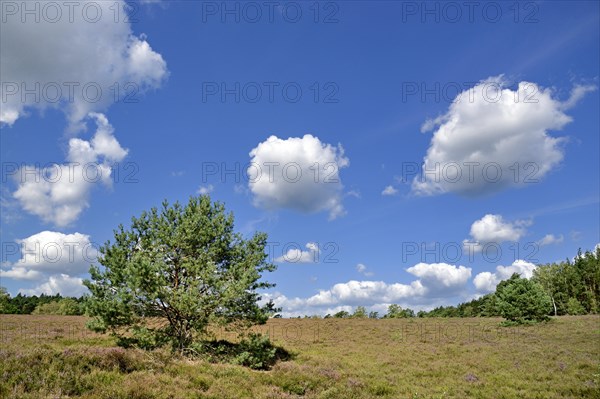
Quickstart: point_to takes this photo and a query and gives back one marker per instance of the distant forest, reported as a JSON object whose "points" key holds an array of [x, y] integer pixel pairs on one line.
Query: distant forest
{"points": [[572, 285]]}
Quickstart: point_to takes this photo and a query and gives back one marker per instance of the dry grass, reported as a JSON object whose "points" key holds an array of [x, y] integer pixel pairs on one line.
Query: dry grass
{"points": [[54, 357]]}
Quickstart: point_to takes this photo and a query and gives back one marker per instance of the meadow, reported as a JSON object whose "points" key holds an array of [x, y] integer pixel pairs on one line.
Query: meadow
{"points": [[56, 357]]}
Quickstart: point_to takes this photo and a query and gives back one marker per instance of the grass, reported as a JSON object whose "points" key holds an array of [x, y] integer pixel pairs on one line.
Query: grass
{"points": [[56, 357]]}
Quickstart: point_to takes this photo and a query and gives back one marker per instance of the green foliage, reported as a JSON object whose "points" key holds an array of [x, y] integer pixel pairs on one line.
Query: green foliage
{"points": [[256, 352], [61, 307], [574, 307], [396, 312], [22, 304], [559, 361], [58, 306], [578, 280], [573, 282], [184, 265], [48, 308], [360, 313], [342, 314], [4, 299], [520, 299], [69, 307], [373, 315]]}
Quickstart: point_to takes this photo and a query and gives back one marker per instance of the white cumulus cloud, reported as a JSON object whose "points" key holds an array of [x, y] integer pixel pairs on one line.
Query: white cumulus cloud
{"points": [[51, 252], [435, 283], [486, 282], [493, 228], [389, 190], [441, 277], [59, 193], [75, 63], [54, 261], [296, 255], [59, 284], [297, 173], [493, 137]]}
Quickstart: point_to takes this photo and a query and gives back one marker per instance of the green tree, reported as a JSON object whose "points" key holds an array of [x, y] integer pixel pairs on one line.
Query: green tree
{"points": [[4, 300], [184, 265], [48, 308], [520, 299], [360, 313], [547, 277], [373, 315], [574, 307], [342, 314], [69, 307], [587, 269], [394, 311]]}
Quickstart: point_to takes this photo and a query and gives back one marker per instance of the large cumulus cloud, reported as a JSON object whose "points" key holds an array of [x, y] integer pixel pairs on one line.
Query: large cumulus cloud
{"points": [[66, 60], [493, 137], [299, 173]]}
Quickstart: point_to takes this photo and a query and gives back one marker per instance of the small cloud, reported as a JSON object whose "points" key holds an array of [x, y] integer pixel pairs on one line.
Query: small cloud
{"points": [[353, 193], [296, 255], [203, 190], [493, 228], [389, 190], [240, 189], [575, 235], [177, 173], [550, 239], [362, 269]]}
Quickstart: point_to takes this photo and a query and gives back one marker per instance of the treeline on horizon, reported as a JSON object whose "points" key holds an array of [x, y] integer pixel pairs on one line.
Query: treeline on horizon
{"points": [[573, 287], [43, 304]]}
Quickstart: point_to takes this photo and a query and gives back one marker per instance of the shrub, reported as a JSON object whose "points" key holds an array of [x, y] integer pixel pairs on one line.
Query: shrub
{"points": [[256, 352], [48, 308], [520, 300], [574, 307]]}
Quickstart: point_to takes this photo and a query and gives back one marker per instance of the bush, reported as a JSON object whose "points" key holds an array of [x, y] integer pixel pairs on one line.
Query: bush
{"points": [[62, 307], [69, 307], [48, 308], [520, 300], [256, 352], [342, 314], [574, 307]]}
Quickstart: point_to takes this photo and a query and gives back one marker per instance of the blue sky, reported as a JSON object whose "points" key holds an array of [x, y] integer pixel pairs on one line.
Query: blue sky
{"points": [[508, 88]]}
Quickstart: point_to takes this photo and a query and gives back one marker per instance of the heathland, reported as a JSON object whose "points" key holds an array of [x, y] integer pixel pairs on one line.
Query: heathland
{"points": [[43, 356]]}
